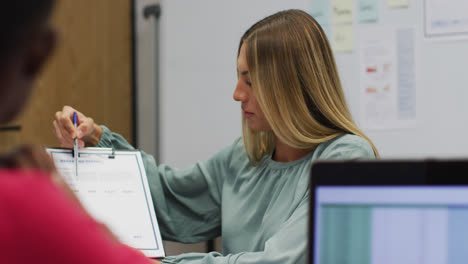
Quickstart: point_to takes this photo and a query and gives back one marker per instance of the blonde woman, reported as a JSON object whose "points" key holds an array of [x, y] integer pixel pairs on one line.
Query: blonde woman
{"points": [[254, 192]]}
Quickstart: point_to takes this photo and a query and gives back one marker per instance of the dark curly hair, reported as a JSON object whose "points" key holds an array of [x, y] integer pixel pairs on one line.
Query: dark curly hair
{"points": [[18, 19]]}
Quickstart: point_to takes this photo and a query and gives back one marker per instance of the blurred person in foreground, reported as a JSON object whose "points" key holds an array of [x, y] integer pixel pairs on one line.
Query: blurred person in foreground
{"points": [[41, 220]]}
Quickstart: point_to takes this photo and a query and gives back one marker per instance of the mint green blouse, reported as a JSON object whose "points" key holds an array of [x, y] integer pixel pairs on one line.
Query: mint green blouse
{"points": [[261, 212]]}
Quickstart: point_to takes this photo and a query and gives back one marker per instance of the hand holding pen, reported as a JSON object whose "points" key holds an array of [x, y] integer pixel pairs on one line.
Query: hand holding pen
{"points": [[87, 132], [75, 147]]}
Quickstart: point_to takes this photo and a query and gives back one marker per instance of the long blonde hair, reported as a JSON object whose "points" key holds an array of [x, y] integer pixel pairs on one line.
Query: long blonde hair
{"points": [[296, 82]]}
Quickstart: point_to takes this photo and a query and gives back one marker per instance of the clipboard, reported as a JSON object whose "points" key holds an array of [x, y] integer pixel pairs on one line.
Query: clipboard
{"points": [[113, 187]]}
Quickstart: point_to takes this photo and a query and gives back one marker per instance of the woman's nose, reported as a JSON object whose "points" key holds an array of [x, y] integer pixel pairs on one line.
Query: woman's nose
{"points": [[240, 93]]}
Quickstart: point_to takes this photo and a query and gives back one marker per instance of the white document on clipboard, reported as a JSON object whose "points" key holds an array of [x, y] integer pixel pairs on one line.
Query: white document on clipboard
{"points": [[113, 187]]}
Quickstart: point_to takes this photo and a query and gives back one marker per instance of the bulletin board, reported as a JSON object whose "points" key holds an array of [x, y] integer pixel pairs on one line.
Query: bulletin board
{"points": [[401, 63]]}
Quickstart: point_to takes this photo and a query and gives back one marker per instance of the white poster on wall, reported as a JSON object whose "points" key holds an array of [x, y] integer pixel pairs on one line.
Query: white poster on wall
{"points": [[387, 86], [446, 19]]}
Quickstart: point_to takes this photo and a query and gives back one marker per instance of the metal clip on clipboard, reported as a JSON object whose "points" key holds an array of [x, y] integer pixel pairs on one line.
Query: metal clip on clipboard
{"points": [[112, 155], [111, 150]]}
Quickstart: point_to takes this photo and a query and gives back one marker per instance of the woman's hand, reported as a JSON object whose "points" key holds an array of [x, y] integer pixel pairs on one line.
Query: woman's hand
{"points": [[87, 132]]}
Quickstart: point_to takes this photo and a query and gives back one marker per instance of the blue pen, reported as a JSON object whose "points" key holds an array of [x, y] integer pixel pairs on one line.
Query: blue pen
{"points": [[75, 149]]}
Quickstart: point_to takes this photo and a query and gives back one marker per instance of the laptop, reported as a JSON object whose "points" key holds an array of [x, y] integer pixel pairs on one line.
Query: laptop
{"points": [[389, 212]]}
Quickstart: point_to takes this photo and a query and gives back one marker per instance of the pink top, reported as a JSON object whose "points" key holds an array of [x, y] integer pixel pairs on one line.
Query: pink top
{"points": [[40, 224]]}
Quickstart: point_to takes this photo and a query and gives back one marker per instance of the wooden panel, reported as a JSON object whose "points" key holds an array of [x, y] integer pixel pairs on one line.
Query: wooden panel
{"points": [[8, 139], [91, 70]]}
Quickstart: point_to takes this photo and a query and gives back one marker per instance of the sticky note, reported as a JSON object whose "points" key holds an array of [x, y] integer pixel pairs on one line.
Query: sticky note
{"points": [[398, 3], [367, 11], [343, 38], [320, 11], [342, 11]]}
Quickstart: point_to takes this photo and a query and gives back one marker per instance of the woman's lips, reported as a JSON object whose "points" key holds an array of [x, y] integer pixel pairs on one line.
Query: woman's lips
{"points": [[248, 114]]}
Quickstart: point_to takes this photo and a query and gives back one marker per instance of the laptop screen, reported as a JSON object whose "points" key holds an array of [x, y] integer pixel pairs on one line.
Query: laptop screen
{"points": [[390, 224]]}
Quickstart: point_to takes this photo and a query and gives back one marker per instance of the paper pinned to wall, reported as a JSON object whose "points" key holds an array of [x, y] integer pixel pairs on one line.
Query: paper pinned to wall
{"points": [[367, 11], [320, 11], [343, 38], [398, 3], [446, 19], [406, 75], [387, 84], [342, 11], [378, 79]]}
